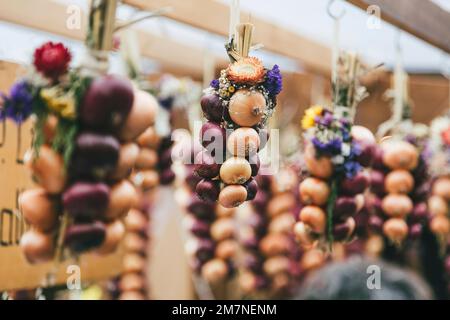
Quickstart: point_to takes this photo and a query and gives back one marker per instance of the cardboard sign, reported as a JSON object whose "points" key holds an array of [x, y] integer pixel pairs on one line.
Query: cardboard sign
{"points": [[15, 272]]}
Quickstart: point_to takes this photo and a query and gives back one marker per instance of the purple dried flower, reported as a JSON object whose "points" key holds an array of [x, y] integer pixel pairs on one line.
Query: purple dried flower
{"points": [[274, 81], [18, 106], [351, 168], [332, 147], [215, 84]]}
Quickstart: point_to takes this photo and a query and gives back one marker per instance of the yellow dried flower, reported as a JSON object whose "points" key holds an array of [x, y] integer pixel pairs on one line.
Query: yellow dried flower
{"points": [[59, 102], [311, 113]]}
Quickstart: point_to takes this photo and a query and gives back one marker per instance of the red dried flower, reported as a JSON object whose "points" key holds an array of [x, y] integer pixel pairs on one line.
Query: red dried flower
{"points": [[446, 136], [52, 59]]}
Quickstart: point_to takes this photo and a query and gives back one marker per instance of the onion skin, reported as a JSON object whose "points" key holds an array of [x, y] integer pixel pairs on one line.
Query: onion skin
{"points": [[314, 191], [146, 179], [282, 223], [235, 171], [226, 249], [223, 212], [281, 203], [149, 139], [355, 185], [212, 107], [319, 167], [344, 207], [255, 164], [133, 263], [437, 206], [214, 271], [313, 217], [440, 225], [303, 236], [232, 196], [122, 198], [135, 222], [213, 136], [441, 187], [400, 155], [362, 135], [84, 200], [142, 116], [243, 142], [208, 190], [128, 154], [246, 108], [206, 166], [397, 205], [399, 181], [95, 155], [107, 103], [343, 231], [377, 182], [38, 209], [48, 169], [274, 244], [222, 229], [395, 229], [134, 242], [37, 246], [115, 232], [252, 189], [84, 237], [276, 265], [312, 259], [146, 159]]}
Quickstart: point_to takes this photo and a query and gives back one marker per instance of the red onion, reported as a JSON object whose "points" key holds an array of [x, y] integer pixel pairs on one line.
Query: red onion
{"points": [[376, 223], [377, 182], [415, 231], [344, 207], [260, 201], [167, 177], [84, 236], [86, 200], [377, 162], [264, 136], [206, 166], [200, 208], [208, 190], [212, 107], [199, 228], [366, 157], [213, 134], [252, 188], [355, 185], [192, 178], [419, 213], [165, 159], [255, 163]]}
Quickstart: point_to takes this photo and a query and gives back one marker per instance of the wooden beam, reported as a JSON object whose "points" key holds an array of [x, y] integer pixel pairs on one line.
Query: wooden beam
{"points": [[213, 17], [51, 16], [421, 18]]}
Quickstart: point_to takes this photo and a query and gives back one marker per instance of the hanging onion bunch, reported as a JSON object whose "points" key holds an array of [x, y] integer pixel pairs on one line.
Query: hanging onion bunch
{"points": [[237, 107], [335, 152], [82, 155]]}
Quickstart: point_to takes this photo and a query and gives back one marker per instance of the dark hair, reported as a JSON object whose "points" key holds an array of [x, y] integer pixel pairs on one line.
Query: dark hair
{"points": [[350, 279]]}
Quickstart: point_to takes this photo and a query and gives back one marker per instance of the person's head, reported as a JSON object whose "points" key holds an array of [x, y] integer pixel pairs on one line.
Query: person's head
{"points": [[360, 278]]}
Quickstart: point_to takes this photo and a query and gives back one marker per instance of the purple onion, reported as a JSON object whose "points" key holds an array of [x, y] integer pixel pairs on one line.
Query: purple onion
{"points": [[366, 157], [250, 243], [264, 136], [199, 228], [205, 250], [377, 182], [341, 231], [95, 155], [167, 177], [106, 103], [212, 107], [355, 185], [201, 209], [84, 200], [377, 162], [376, 223], [415, 231], [213, 135], [165, 159], [264, 182], [84, 236], [257, 223], [375, 205], [344, 207], [260, 201], [253, 263], [255, 163], [192, 178], [252, 188], [208, 190], [206, 166], [419, 213], [422, 191]]}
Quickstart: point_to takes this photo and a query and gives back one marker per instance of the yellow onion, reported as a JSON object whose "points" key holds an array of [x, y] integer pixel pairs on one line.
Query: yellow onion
{"points": [[48, 169], [313, 217], [248, 282], [437, 206], [243, 142], [302, 234], [282, 223], [223, 212], [133, 262], [226, 249], [280, 282], [135, 221], [441, 187], [362, 135], [286, 180], [319, 167], [131, 282], [134, 242], [214, 270], [146, 179], [397, 205], [232, 196], [395, 229], [314, 191], [115, 231], [38, 209], [132, 295], [276, 265], [128, 155], [235, 171], [222, 229], [399, 181], [312, 259], [399, 155], [246, 108], [142, 116], [274, 243], [440, 225], [149, 139], [281, 203], [146, 159], [37, 247], [122, 198]]}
